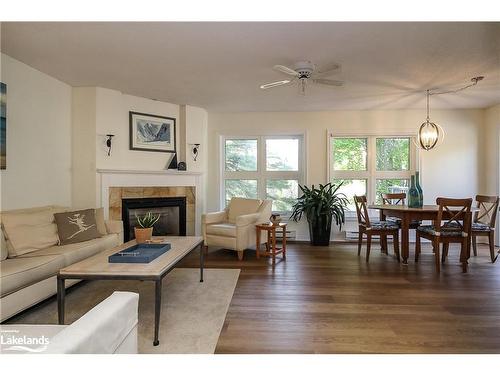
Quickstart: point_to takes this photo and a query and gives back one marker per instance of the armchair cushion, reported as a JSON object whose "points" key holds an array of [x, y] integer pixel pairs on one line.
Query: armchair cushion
{"points": [[242, 206], [243, 220], [221, 229], [102, 329], [214, 217]]}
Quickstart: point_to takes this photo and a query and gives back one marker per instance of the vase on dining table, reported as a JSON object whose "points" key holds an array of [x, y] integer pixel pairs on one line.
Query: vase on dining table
{"points": [[413, 195], [419, 188]]}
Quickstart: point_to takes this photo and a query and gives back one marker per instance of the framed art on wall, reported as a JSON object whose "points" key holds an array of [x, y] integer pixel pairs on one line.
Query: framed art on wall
{"points": [[151, 132]]}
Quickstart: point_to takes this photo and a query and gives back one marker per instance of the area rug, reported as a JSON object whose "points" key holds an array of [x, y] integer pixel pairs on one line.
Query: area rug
{"points": [[192, 313]]}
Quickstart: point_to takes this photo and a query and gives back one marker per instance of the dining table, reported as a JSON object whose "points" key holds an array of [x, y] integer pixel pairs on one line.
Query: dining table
{"points": [[408, 214]]}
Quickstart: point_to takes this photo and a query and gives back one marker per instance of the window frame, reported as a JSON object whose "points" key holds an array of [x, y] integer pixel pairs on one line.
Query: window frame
{"points": [[262, 175], [371, 174]]}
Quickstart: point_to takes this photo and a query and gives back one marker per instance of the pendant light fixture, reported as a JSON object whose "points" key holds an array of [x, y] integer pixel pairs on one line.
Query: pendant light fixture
{"points": [[431, 134]]}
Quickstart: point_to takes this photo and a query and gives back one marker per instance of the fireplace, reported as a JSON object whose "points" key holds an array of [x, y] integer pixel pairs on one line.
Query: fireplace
{"points": [[172, 220]]}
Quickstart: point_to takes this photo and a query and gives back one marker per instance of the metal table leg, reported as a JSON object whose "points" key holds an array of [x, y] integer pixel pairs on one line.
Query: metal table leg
{"points": [[61, 292], [202, 261], [156, 342]]}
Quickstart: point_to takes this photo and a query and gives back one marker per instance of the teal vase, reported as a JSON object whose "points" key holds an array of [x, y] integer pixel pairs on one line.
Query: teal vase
{"points": [[413, 195], [419, 188]]}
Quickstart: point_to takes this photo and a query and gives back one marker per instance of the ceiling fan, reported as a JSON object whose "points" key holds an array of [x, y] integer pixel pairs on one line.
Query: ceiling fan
{"points": [[304, 72]]}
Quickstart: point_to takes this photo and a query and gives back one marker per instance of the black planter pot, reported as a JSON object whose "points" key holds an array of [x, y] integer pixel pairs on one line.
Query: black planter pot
{"points": [[319, 230]]}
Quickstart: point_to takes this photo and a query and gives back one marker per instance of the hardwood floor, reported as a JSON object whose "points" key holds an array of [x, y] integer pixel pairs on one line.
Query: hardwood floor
{"points": [[327, 300]]}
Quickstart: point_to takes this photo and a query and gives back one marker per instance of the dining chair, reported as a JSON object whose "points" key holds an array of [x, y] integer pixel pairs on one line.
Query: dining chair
{"points": [[379, 228], [395, 199], [483, 223], [456, 229]]}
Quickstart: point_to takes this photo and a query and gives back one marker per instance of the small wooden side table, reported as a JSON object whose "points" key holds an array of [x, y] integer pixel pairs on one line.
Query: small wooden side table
{"points": [[271, 249]]}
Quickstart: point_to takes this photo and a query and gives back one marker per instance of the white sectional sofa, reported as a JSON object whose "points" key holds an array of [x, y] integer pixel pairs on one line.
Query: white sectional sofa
{"points": [[31, 256], [110, 327]]}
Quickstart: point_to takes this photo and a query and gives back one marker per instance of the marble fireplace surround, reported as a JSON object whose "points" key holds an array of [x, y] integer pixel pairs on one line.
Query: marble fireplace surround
{"points": [[118, 184]]}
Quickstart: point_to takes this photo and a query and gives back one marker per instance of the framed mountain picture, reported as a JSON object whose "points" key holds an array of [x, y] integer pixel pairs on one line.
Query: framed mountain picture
{"points": [[151, 132], [3, 126]]}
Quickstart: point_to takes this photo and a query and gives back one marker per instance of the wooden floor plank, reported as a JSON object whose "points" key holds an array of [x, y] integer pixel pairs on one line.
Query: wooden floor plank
{"points": [[329, 300]]}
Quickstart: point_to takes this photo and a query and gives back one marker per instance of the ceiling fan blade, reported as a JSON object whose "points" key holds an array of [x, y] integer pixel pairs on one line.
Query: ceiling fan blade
{"points": [[329, 82], [335, 68], [286, 70], [275, 84]]}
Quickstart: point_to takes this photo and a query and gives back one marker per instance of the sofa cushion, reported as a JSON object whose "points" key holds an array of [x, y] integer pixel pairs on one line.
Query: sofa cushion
{"points": [[76, 226], [242, 206], [30, 230], [3, 247], [18, 272], [99, 221], [222, 229], [76, 252], [114, 226]]}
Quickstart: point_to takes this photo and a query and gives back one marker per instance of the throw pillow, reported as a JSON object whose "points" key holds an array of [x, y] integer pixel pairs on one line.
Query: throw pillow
{"points": [[29, 230], [76, 226], [99, 220]]}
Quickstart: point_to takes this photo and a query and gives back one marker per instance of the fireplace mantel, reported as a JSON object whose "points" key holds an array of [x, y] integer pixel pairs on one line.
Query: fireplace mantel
{"points": [[160, 172], [108, 178]]}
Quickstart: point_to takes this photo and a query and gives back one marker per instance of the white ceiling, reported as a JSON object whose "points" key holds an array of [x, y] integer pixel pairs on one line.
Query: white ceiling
{"points": [[219, 66]]}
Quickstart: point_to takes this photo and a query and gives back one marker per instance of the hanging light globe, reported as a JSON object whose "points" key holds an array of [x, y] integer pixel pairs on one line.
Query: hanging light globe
{"points": [[428, 135], [431, 134]]}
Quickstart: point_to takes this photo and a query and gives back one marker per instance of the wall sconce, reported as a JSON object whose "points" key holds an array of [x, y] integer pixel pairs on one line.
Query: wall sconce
{"points": [[108, 142], [194, 150]]}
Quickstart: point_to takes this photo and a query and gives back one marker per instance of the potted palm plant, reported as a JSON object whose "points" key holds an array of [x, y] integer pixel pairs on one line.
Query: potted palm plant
{"points": [[144, 231], [320, 205]]}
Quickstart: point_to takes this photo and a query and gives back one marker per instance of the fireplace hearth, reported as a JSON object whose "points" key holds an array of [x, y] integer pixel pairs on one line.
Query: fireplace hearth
{"points": [[172, 220]]}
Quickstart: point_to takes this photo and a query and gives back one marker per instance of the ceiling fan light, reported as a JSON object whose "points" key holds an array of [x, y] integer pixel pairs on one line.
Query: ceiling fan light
{"points": [[428, 135]]}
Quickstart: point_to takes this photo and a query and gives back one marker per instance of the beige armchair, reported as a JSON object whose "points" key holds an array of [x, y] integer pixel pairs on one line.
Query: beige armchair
{"points": [[234, 228]]}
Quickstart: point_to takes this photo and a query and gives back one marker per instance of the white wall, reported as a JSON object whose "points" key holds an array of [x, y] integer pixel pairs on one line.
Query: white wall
{"points": [[112, 117], [196, 132], [450, 170], [490, 146], [38, 138], [99, 111], [83, 147]]}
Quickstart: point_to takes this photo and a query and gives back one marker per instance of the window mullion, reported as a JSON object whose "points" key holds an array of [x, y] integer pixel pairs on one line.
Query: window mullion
{"points": [[371, 169], [261, 157]]}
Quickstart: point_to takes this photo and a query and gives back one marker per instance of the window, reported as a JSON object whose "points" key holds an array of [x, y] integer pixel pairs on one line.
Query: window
{"points": [[241, 155], [371, 165], [268, 167]]}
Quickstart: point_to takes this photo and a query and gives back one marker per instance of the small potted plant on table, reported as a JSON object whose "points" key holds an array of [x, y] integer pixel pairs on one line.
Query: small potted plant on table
{"points": [[320, 205], [144, 231]]}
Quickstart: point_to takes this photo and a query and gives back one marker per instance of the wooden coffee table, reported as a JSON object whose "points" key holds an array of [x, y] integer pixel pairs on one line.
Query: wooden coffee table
{"points": [[97, 267]]}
